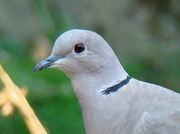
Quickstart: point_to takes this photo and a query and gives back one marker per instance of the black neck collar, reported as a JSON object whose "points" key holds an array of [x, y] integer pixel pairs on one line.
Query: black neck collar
{"points": [[116, 87]]}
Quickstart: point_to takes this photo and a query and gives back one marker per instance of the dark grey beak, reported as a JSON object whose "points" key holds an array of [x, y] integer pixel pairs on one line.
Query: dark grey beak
{"points": [[46, 63]]}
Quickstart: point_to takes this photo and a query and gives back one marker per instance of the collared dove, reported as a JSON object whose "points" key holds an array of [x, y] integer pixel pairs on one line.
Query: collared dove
{"points": [[112, 102]]}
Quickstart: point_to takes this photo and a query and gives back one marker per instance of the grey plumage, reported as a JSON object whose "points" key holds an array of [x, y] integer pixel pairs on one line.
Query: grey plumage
{"points": [[135, 108]]}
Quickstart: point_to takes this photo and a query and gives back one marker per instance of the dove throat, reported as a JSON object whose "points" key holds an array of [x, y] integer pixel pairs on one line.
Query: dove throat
{"points": [[108, 79]]}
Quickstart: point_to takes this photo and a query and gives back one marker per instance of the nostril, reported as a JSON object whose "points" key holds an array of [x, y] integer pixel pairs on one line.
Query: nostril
{"points": [[49, 60]]}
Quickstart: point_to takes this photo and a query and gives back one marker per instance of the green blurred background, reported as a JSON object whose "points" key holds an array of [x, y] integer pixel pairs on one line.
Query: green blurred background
{"points": [[145, 35]]}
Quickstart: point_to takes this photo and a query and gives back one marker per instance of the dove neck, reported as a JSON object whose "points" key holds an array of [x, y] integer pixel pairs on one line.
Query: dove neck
{"points": [[93, 83]]}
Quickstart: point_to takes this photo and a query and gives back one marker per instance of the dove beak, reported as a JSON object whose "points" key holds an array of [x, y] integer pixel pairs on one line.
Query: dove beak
{"points": [[47, 63]]}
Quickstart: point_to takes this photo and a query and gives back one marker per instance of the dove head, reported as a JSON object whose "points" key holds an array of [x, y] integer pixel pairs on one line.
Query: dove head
{"points": [[82, 53]]}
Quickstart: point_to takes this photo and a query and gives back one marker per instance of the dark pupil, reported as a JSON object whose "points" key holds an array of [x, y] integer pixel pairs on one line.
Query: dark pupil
{"points": [[79, 48]]}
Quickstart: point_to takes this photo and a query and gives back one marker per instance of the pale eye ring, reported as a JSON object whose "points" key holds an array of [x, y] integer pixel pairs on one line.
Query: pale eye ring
{"points": [[79, 48]]}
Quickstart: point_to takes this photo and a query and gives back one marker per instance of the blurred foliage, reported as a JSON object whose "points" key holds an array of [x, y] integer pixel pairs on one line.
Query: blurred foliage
{"points": [[147, 30], [50, 94]]}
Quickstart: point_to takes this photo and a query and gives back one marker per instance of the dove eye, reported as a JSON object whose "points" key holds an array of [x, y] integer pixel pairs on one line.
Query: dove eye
{"points": [[79, 48]]}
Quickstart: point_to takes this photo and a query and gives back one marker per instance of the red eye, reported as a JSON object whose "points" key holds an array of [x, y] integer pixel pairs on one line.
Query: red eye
{"points": [[79, 48]]}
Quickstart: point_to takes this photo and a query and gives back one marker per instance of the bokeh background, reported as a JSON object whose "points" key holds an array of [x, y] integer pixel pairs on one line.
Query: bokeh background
{"points": [[145, 35]]}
